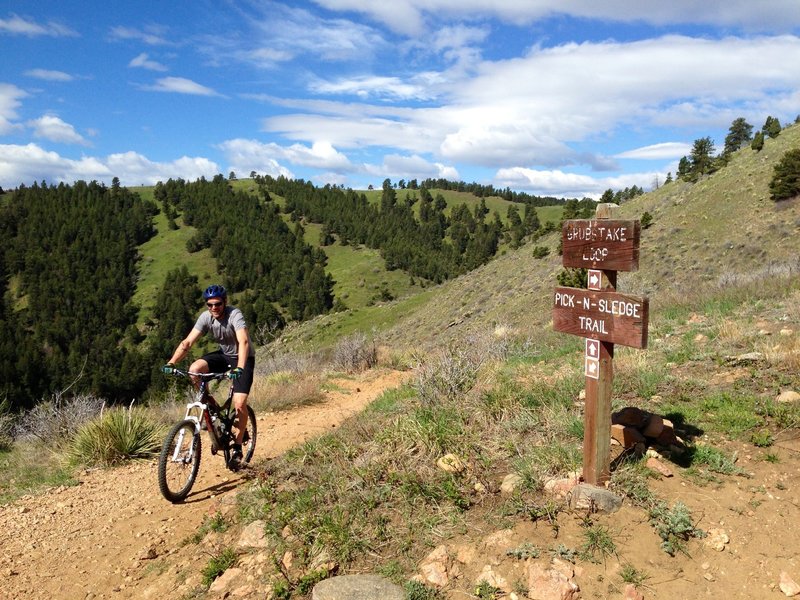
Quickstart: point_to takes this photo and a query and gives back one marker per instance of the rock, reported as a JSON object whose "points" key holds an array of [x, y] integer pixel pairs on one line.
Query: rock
{"points": [[253, 536], [625, 435], [788, 396], [510, 483], [357, 587], [654, 426], [788, 585], [226, 582], [631, 593], [489, 576], [450, 463], [549, 584], [659, 467], [750, 358], [630, 416], [667, 436], [561, 487], [434, 567], [594, 499], [786, 332], [716, 539]]}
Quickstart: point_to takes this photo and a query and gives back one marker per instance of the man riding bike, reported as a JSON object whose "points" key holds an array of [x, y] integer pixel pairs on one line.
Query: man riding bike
{"points": [[228, 327]]}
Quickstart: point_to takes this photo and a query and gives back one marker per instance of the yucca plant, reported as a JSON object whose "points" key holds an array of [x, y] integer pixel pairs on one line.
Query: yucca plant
{"points": [[118, 434]]}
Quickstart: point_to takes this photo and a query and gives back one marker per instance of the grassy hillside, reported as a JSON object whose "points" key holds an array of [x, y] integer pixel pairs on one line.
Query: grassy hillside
{"points": [[722, 230], [360, 273]]}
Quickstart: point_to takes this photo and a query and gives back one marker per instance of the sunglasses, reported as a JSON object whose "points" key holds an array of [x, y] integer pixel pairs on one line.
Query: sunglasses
{"points": [[213, 304]]}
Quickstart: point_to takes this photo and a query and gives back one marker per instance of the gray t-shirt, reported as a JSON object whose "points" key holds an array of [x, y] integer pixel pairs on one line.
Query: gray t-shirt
{"points": [[224, 330]]}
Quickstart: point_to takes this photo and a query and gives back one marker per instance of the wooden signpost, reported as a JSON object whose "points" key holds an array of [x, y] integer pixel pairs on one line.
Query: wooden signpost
{"points": [[603, 316]]}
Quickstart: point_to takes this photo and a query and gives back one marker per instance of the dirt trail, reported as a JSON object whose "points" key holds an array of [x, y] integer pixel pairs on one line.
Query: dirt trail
{"points": [[98, 539]]}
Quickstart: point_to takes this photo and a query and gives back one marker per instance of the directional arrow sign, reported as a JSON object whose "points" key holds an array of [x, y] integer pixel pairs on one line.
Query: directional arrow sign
{"points": [[606, 316], [595, 279], [592, 360]]}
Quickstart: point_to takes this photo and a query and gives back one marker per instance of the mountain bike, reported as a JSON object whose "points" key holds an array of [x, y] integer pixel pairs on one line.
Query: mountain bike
{"points": [[179, 461]]}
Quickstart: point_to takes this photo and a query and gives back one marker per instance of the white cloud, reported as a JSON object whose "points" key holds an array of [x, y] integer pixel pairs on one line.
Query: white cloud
{"points": [[528, 111], [251, 155], [397, 167], [10, 96], [280, 33], [663, 151], [52, 128], [153, 35], [28, 163], [366, 86], [143, 61], [409, 16], [48, 75], [17, 25], [569, 185], [180, 85]]}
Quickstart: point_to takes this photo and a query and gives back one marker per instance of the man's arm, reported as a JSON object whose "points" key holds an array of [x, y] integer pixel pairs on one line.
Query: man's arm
{"points": [[185, 345], [244, 346]]}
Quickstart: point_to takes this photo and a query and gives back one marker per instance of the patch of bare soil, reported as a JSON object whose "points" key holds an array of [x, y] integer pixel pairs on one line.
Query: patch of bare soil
{"points": [[750, 521], [113, 535]]}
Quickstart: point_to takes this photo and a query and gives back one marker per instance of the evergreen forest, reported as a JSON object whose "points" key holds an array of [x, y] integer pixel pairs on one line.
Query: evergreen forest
{"points": [[70, 263]]}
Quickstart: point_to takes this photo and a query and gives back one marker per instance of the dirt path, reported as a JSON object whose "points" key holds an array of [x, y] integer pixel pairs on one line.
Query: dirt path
{"points": [[98, 539]]}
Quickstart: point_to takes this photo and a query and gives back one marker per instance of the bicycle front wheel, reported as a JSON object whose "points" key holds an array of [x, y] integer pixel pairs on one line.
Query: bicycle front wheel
{"points": [[179, 461]]}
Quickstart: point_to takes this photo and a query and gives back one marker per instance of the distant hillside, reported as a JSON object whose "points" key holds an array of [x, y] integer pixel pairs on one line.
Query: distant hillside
{"points": [[720, 230]]}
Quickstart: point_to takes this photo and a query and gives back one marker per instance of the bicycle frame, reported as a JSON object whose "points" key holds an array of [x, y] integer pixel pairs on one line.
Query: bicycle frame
{"points": [[205, 414]]}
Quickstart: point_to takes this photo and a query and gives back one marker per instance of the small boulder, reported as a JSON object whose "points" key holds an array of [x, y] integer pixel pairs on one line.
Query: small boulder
{"points": [[788, 396], [594, 499]]}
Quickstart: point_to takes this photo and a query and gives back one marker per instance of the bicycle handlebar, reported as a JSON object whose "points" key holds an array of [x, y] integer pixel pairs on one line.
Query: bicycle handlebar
{"points": [[205, 376]]}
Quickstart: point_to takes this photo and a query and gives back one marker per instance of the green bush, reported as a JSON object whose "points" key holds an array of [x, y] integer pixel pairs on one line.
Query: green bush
{"points": [[217, 565], [118, 434], [786, 176]]}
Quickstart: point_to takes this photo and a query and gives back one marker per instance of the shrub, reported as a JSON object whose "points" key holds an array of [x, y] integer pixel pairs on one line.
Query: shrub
{"points": [[540, 251], [217, 565], [57, 420], [116, 435], [448, 376], [415, 590], [355, 353], [6, 425], [674, 526], [786, 176]]}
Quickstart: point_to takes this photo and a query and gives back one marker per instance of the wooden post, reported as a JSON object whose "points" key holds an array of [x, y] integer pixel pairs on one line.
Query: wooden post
{"points": [[605, 317], [597, 414]]}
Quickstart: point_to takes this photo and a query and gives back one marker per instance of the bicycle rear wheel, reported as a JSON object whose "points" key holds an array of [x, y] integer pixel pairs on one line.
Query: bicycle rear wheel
{"points": [[179, 461], [249, 439]]}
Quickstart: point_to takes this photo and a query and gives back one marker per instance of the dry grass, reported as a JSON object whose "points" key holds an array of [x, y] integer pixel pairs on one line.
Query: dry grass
{"points": [[284, 390]]}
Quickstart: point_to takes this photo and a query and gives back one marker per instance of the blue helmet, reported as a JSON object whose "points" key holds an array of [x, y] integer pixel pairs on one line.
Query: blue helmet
{"points": [[215, 291]]}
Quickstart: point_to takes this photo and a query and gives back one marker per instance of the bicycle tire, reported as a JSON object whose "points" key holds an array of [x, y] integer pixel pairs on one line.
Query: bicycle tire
{"points": [[183, 472], [251, 429]]}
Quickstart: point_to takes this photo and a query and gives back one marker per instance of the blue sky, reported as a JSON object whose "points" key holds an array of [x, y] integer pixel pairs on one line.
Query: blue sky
{"points": [[551, 97]]}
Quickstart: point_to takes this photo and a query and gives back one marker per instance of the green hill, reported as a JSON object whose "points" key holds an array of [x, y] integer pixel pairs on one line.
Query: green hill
{"points": [[720, 231]]}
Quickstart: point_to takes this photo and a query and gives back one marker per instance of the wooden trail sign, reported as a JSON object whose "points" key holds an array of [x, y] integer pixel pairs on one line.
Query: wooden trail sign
{"points": [[603, 316], [601, 244], [606, 316]]}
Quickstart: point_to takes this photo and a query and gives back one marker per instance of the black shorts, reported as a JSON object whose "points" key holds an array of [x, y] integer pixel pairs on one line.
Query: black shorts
{"points": [[219, 363]]}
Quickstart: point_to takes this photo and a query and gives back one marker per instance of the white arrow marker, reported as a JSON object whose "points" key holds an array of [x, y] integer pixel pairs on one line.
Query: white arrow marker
{"points": [[592, 367], [592, 348], [595, 277]]}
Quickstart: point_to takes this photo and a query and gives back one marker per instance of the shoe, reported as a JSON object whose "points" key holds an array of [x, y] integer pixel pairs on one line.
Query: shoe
{"points": [[235, 462]]}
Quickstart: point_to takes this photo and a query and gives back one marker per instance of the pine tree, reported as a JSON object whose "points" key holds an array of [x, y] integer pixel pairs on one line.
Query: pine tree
{"points": [[758, 141], [785, 181], [772, 127], [739, 135]]}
